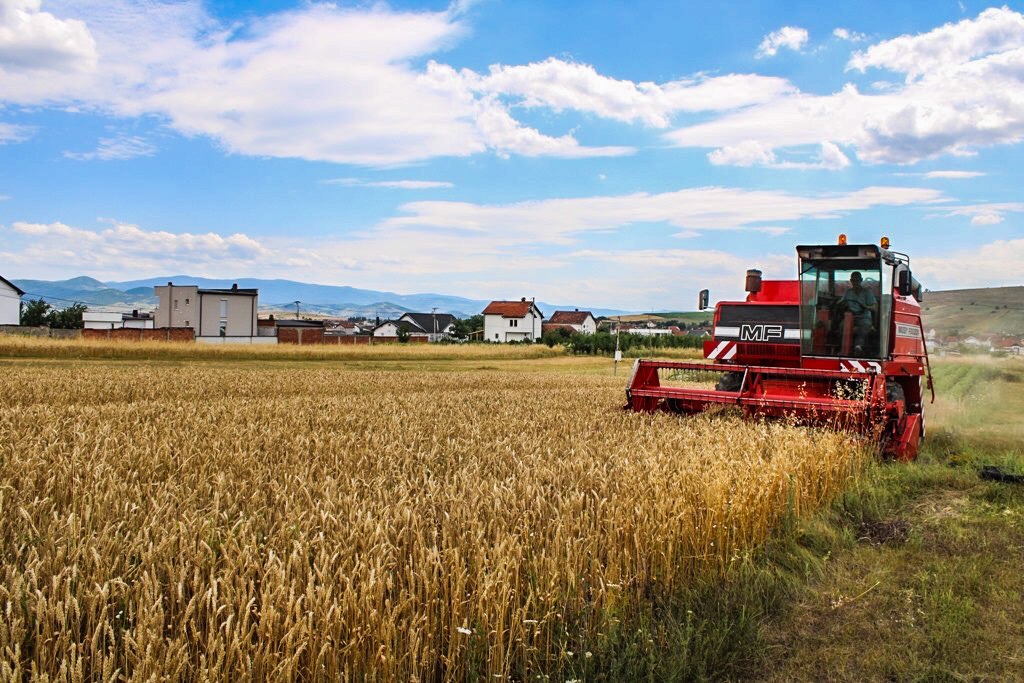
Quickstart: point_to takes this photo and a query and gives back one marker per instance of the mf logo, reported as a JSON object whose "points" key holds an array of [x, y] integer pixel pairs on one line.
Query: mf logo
{"points": [[760, 333]]}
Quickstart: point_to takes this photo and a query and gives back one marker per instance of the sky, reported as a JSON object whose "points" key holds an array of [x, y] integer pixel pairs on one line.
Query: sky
{"points": [[605, 154]]}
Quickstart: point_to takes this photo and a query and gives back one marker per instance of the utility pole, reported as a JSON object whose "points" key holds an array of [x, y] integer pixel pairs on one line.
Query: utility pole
{"points": [[433, 315], [297, 309], [618, 354]]}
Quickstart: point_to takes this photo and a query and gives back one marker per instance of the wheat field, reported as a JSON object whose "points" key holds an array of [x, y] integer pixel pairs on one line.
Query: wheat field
{"points": [[212, 522]]}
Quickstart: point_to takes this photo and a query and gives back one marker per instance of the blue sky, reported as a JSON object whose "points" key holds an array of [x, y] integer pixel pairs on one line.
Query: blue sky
{"points": [[611, 154]]}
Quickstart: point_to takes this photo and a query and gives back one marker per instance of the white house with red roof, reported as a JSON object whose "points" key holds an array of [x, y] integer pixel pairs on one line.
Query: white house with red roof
{"points": [[508, 321], [579, 321]]}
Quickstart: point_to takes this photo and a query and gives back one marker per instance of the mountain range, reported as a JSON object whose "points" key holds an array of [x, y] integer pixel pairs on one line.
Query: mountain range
{"points": [[274, 295]]}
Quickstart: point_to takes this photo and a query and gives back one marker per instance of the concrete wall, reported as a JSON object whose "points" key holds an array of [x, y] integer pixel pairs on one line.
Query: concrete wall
{"points": [[27, 331], [10, 306], [184, 314]]}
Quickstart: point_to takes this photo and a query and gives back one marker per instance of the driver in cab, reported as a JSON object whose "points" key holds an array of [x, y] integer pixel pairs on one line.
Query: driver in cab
{"points": [[862, 304]]}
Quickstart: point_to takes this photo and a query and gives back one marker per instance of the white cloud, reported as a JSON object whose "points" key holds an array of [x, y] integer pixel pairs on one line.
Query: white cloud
{"points": [[433, 243], [119, 244], [790, 37], [848, 35], [994, 31], [954, 175], [984, 214], [995, 264], [559, 221], [560, 85], [285, 85], [964, 89], [753, 153], [118, 148], [33, 40], [391, 184], [746, 153], [12, 133]]}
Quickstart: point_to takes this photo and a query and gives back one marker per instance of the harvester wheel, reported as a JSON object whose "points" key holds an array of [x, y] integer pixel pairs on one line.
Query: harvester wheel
{"points": [[729, 381]]}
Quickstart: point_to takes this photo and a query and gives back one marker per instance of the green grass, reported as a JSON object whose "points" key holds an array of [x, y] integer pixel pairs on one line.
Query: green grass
{"points": [[920, 575]]}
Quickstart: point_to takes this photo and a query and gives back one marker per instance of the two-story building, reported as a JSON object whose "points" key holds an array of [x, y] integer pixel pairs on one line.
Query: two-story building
{"points": [[10, 302], [507, 321], [228, 314]]}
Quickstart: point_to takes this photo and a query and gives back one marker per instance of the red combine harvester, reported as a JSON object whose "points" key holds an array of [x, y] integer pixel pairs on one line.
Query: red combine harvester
{"points": [[843, 345]]}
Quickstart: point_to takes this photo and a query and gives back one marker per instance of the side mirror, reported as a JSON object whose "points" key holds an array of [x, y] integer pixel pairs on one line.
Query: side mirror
{"points": [[904, 283], [702, 299]]}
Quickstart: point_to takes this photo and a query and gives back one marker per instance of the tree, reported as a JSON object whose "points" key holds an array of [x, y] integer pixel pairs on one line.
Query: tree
{"points": [[403, 334], [69, 318], [464, 327], [35, 313]]}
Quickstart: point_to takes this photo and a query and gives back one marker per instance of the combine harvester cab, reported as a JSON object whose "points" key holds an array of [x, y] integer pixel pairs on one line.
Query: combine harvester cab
{"points": [[843, 345]]}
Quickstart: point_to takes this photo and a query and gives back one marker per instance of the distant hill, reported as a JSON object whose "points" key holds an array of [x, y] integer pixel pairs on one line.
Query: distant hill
{"points": [[275, 295], [978, 312], [87, 290]]}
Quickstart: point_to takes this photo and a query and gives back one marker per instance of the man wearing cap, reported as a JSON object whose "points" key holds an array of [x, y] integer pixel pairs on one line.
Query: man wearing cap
{"points": [[862, 304]]}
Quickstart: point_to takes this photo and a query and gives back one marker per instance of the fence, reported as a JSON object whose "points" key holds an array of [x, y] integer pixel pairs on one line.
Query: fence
{"points": [[177, 334]]}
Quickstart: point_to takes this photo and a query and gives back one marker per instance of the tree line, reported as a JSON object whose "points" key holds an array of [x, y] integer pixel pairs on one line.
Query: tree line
{"points": [[38, 313]]}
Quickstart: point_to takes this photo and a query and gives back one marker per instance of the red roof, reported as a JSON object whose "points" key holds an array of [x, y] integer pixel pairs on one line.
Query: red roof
{"points": [[557, 326], [570, 317], [509, 309]]}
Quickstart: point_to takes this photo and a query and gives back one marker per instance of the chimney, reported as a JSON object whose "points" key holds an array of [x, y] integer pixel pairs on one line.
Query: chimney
{"points": [[135, 313], [271, 316], [170, 284], [234, 287], [577, 310], [523, 299]]}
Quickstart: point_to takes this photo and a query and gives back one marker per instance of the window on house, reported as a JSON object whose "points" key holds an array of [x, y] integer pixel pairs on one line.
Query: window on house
{"points": [[495, 335], [187, 324], [175, 304], [223, 308], [186, 301], [223, 329], [513, 323]]}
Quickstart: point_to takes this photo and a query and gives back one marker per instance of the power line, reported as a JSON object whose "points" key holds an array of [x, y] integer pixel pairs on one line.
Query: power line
{"points": [[93, 306]]}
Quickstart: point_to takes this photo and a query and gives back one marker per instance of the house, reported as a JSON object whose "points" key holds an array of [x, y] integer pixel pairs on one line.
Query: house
{"points": [[101, 320], [137, 321], [10, 302], [507, 321], [436, 326], [649, 331], [580, 321], [228, 314], [341, 328], [388, 330]]}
